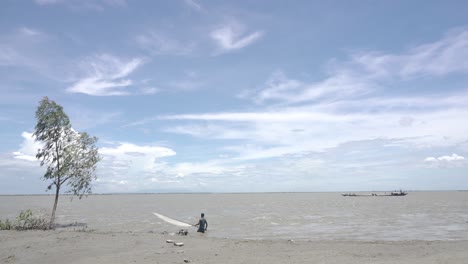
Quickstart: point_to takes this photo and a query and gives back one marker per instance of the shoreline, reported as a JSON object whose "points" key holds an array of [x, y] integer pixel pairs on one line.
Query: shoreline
{"points": [[169, 193], [94, 246]]}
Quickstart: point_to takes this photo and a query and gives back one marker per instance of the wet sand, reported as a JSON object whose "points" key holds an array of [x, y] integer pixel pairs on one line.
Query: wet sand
{"points": [[128, 247]]}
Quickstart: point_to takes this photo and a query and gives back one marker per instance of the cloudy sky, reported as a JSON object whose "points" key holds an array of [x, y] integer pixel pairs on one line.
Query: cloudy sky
{"points": [[242, 96]]}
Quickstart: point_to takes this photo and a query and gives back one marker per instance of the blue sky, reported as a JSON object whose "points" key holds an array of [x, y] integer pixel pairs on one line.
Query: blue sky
{"points": [[242, 96]]}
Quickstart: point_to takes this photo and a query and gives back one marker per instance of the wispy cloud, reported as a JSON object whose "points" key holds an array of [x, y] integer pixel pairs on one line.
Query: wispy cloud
{"points": [[150, 90], [83, 118], [233, 36], [20, 47], [445, 56], [159, 43], [352, 103], [280, 89], [97, 5], [47, 2], [105, 75], [194, 5], [368, 72], [184, 85], [29, 31], [8, 56], [295, 130], [34, 50]]}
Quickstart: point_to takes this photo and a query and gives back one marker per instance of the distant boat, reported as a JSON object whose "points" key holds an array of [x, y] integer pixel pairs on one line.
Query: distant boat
{"points": [[394, 193], [350, 194]]}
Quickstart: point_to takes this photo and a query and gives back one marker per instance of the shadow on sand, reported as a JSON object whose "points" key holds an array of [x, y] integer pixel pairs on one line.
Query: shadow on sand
{"points": [[71, 225]]}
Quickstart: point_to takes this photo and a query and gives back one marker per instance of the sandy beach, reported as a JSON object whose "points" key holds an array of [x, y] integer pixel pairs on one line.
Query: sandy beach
{"points": [[128, 247]]}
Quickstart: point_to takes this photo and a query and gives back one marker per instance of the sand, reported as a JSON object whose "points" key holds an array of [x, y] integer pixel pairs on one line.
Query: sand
{"points": [[59, 246]]}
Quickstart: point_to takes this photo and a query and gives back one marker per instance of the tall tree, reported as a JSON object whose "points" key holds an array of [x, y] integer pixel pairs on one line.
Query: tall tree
{"points": [[71, 157]]}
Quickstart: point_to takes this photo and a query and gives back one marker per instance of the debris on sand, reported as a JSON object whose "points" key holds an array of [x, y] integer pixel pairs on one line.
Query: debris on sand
{"points": [[183, 232]]}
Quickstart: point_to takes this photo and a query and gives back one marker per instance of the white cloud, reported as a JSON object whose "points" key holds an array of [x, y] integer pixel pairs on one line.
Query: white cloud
{"points": [[128, 149], [445, 161], [233, 36], [125, 167], [185, 169], [286, 116], [129, 167], [133, 158], [28, 148], [302, 129], [105, 75], [454, 157]]}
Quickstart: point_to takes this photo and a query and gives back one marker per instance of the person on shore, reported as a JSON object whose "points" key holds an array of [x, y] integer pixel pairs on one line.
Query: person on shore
{"points": [[202, 224]]}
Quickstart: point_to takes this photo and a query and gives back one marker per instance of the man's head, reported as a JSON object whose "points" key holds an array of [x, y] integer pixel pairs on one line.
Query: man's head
{"points": [[202, 215]]}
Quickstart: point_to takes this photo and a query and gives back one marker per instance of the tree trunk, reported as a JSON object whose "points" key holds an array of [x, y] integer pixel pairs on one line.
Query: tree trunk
{"points": [[52, 218]]}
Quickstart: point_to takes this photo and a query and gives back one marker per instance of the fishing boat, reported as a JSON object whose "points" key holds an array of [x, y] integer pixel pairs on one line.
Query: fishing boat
{"points": [[394, 193], [398, 193]]}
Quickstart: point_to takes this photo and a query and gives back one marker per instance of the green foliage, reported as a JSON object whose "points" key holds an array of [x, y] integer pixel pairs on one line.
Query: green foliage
{"points": [[71, 157], [81, 161], [53, 129], [25, 221], [7, 225]]}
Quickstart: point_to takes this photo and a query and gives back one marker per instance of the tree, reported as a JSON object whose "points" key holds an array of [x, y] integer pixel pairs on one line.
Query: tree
{"points": [[71, 157]]}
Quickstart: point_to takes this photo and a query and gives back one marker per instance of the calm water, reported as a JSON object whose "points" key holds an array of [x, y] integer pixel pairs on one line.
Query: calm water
{"points": [[300, 216]]}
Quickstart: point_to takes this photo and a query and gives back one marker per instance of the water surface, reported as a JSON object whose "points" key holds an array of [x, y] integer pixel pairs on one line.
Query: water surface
{"points": [[299, 216]]}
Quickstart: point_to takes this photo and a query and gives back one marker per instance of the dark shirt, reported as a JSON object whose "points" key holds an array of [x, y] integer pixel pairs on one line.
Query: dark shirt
{"points": [[202, 225]]}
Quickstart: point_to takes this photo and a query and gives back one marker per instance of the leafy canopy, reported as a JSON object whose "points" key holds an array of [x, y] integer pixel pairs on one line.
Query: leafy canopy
{"points": [[70, 156]]}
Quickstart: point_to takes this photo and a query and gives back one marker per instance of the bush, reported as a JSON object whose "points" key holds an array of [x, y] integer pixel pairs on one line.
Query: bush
{"points": [[6, 225], [25, 221]]}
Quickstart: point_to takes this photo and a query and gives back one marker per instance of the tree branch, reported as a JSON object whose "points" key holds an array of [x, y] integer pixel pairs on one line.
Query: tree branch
{"points": [[65, 179]]}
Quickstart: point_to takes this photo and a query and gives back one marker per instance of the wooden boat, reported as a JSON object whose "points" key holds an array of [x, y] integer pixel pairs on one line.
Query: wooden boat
{"points": [[394, 193]]}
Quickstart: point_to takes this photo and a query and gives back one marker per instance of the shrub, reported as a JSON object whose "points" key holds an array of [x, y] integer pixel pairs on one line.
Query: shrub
{"points": [[25, 221], [6, 225]]}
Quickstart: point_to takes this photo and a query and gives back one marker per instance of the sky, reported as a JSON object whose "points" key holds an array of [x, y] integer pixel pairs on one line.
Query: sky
{"points": [[241, 96]]}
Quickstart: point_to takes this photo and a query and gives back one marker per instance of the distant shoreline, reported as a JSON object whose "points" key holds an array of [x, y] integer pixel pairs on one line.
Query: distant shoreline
{"points": [[152, 193]]}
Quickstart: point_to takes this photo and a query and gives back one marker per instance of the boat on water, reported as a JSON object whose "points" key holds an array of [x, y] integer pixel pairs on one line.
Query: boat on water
{"points": [[394, 193], [398, 193]]}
